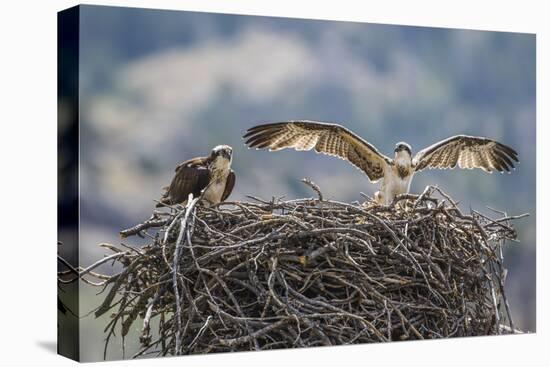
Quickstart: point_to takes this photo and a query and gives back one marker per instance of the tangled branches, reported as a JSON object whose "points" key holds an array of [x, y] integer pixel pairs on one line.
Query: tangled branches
{"points": [[299, 273]]}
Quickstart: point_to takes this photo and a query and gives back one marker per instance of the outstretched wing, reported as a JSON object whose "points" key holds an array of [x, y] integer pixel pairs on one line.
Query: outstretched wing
{"points": [[467, 152], [190, 177], [229, 184], [331, 139]]}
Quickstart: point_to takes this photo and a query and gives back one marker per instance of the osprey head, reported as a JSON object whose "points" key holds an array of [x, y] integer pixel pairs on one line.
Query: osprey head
{"points": [[403, 147], [222, 151]]}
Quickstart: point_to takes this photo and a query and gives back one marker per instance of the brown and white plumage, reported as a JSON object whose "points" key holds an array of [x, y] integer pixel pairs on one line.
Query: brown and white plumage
{"points": [[330, 139], [467, 152], [396, 174], [209, 176]]}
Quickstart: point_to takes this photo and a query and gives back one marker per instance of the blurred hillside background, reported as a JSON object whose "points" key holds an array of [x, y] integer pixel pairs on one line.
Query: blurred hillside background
{"points": [[159, 87]]}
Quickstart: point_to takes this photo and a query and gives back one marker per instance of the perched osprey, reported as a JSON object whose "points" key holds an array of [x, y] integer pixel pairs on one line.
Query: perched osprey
{"points": [[396, 174], [210, 176]]}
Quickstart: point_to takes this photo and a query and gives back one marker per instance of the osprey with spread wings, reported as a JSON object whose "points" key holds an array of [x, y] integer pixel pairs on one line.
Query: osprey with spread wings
{"points": [[396, 174]]}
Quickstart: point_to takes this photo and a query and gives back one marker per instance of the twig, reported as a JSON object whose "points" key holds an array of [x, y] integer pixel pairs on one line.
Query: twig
{"points": [[313, 186], [279, 273]]}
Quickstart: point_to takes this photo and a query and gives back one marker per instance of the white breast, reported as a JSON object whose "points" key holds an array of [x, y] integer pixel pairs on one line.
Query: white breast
{"points": [[219, 172], [214, 192], [394, 185], [399, 185]]}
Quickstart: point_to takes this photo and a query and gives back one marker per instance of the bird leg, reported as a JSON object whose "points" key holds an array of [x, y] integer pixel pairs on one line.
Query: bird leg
{"points": [[379, 198]]}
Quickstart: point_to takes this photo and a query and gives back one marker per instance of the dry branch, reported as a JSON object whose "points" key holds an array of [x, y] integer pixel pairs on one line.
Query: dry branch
{"points": [[307, 272]]}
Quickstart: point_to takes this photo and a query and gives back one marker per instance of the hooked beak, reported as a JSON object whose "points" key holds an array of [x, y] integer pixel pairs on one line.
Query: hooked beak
{"points": [[226, 153]]}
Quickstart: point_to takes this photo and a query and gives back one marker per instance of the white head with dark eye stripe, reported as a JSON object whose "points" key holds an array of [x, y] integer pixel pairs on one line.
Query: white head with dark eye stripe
{"points": [[222, 151], [403, 155], [401, 148], [221, 157]]}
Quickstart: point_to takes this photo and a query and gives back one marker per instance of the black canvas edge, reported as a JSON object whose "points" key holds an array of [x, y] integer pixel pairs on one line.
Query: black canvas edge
{"points": [[68, 37]]}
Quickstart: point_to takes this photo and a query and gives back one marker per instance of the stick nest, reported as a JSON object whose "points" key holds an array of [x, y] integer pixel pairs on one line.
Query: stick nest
{"points": [[299, 273]]}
